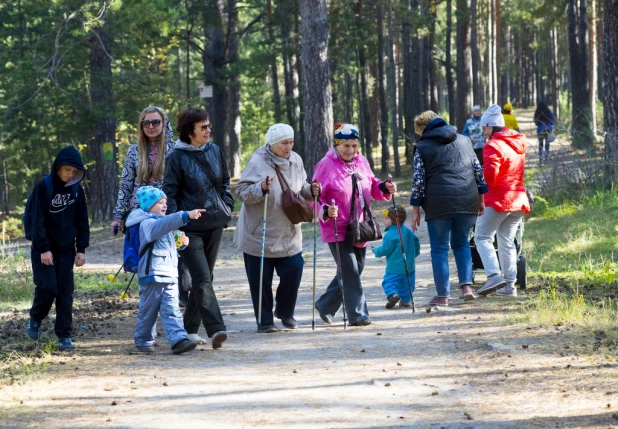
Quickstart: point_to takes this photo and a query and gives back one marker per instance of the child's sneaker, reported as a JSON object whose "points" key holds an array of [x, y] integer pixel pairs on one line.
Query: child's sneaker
{"points": [[439, 301], [494, 282], [34, 329], [468, 293], [405, 304], [392, 300], [66, 344], [183, 346], [508, 290]]}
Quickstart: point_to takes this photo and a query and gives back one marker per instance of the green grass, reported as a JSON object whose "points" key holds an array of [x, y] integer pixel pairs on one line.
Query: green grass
{"points": [[571, 246]]}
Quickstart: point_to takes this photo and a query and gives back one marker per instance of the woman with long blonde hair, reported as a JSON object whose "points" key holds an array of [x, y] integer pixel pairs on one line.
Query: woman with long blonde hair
{"points": [[143, 166]]}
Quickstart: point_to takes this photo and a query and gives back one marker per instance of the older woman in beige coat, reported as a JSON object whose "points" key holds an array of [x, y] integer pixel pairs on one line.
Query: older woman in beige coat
{"points": [[284, 240]]}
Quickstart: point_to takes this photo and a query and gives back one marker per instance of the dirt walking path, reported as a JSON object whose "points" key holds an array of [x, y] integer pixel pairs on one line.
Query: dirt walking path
{"points": [[462, 368]]}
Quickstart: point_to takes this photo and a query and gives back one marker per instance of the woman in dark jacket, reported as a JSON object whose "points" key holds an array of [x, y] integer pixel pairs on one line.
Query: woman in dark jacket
{"points": [[448, 184], [544, 121], [196, 176]]}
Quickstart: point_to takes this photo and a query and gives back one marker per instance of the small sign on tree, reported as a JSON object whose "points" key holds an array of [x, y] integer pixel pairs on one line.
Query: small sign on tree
{"points": [[205, 91]]}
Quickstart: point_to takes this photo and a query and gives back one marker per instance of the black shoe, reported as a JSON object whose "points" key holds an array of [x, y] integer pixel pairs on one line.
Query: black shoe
{"points": [[183, 346], [327, 318], [217, 339], [361, 322], [183, 299], [392, 300], [288, 322], [267, 329]]}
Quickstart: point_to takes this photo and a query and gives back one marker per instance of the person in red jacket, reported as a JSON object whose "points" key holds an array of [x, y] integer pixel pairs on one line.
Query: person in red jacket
{"points": [[506, 202]]}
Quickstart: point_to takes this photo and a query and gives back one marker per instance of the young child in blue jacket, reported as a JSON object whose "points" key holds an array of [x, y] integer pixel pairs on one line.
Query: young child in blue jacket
{"points": [[395, 284], [158, 271]]}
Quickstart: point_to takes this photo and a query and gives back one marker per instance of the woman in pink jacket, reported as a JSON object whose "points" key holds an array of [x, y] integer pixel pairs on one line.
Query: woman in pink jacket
{"points": [[334, 172], [506, 202]]}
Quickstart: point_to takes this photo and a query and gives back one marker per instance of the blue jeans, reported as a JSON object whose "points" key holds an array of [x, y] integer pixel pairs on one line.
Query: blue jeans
{"points": [[154, 298], [352, 264], [456, 229], [397, 283]]}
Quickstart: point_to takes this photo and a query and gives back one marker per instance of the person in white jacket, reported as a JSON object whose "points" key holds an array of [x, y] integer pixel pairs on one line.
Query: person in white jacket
{"points": [[283, 244]]}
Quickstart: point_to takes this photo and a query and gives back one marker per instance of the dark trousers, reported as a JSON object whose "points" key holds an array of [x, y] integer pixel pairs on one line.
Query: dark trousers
{"points": [[352, 264], [54, 282], [290, 272], [543, 138], [200, 257]]}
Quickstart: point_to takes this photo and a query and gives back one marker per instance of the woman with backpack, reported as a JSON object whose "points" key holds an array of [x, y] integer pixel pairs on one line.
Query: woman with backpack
{"points": [[196, 177], [544, 120]]}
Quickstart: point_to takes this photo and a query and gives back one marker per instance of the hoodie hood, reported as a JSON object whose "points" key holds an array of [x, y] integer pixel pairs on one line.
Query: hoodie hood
{"points": [[190, 148], [139, 215], [439, 131], [515, 140], [71, 157]]}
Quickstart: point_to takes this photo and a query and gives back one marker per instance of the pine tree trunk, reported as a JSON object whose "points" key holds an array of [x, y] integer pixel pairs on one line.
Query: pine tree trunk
{"points": [[317, 97], [382, 91], [102, 151], [476, 55], [289, 64], [593, 66], [434, 103], [392, 89], [610, 87], [408, 88], [450, 83], [579, 66], [273, 66], [366, 137], [213, 60], [233, 124], [464, 81]]}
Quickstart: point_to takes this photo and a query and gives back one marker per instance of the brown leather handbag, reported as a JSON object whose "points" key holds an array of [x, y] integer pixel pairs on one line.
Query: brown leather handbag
{"points": [[294, 206], [367, 230]]}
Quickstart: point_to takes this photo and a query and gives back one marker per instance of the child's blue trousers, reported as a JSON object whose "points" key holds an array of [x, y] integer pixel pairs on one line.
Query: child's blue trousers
{"points": [[155, 298], [397, 283]]}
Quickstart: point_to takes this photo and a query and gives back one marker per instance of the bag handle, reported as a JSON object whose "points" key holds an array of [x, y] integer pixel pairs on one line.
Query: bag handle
{"points": [[282, 179]]}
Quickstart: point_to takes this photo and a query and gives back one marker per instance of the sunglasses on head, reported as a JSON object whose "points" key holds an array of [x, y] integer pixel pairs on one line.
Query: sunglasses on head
{"points": [[206, 127], [154, 123]]}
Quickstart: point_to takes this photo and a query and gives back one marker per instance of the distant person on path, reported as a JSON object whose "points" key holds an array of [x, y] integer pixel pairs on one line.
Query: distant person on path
{"points": [[473, 130], [158, 272], [394, 283], [196, 177], [448, 183], [144, 165], [60, 235], [334, 172], [544, 120], [510, 121], [506, 203], [284, 240]]}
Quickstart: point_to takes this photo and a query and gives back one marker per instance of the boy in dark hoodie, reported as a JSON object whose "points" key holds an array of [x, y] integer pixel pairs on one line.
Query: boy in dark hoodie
{"points": [[60, 235]]}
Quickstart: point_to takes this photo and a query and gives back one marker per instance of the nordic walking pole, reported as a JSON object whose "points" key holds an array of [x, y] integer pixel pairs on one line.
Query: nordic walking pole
{"points": [[127, 288], [315, 239], [403, 250], [340, 271], [262, 254]]}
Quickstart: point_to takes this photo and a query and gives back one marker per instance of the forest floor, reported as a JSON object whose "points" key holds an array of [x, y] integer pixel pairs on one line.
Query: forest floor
{"points": [[473, 365]]}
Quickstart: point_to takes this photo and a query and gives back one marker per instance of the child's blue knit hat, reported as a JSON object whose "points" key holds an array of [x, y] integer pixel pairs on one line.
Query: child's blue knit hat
{"points": [[147, 196]]}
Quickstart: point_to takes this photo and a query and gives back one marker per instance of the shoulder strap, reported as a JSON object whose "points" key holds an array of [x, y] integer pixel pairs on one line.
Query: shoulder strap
{"points": [[206, 172], [353, 215], [282, 179], [148, 248]]}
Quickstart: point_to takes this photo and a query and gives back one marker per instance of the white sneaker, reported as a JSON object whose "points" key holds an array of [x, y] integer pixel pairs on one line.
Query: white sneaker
{"points": [[493, 283], [508, 290], [197, 339]]}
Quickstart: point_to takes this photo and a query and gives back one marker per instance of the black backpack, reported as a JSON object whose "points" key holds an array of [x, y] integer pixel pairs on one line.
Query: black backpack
{"points": [[27, 218]]}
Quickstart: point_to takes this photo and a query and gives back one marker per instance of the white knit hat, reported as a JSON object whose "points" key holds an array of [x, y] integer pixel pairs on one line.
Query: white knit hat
{"points": [[476, 107], [492, 117], [279, 132]]}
